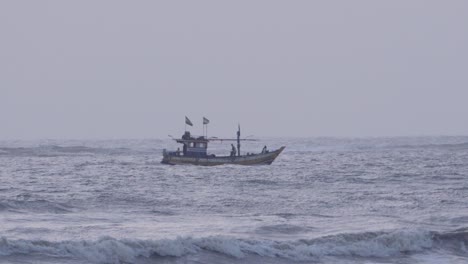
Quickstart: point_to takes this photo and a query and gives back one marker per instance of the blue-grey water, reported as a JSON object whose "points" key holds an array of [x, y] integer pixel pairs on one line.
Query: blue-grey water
{"points": [[324, 200]]}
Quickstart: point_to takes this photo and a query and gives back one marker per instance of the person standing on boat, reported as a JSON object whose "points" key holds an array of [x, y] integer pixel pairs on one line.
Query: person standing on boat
{"points": [[264, 150], [233, 150]]}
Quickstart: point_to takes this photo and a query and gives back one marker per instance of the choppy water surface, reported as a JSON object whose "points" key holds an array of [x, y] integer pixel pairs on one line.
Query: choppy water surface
{"points": [[324, 200]]}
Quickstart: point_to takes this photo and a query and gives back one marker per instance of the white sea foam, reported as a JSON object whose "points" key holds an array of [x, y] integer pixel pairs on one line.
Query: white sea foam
{"points": [[111, 250]]}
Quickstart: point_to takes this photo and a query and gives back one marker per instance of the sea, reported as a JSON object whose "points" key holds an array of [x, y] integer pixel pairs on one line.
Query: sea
{"points": [[324, 200]]}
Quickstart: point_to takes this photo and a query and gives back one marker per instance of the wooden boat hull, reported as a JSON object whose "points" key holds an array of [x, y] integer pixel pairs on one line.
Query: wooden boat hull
{"points": [[256, 159]]}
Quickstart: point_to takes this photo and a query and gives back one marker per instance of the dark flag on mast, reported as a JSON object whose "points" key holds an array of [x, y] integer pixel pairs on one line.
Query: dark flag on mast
{"points": [[205, 121], [188, 122]]}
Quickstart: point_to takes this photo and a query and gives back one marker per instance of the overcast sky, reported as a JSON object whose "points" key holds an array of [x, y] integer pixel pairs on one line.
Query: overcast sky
{"points": [[134, 69]]}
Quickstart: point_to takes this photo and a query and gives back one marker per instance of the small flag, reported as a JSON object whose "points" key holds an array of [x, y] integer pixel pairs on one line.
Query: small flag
{"points": [[205, 121], [188, 122]]}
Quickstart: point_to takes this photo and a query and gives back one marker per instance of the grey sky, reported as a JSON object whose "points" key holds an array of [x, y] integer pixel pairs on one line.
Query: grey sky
{"points": [[132, 69]]}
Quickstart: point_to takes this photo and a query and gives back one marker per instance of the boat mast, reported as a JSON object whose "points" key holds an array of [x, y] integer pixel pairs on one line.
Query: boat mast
{"points": [[238, 140]]}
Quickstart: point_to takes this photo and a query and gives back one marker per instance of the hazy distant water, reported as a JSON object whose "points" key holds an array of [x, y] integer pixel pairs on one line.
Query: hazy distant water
{"points": [[324, 200]]}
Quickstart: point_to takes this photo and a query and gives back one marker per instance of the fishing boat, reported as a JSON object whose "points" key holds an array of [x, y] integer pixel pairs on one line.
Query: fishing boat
{"points": [[194, 151]]}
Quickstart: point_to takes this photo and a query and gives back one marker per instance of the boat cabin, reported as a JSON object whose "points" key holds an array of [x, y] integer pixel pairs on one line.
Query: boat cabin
{"points": [[193, 147]]}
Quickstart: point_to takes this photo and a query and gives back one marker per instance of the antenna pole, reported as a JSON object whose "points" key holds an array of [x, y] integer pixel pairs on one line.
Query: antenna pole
{"points": [[238, 140]]}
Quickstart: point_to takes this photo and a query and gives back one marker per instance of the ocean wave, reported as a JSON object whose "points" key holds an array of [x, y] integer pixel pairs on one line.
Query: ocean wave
{"points": [[262, 182], [103, 163], [462, 145], [54, 151], [37, 206], [283, 229], [367, 244], [458, 235]]}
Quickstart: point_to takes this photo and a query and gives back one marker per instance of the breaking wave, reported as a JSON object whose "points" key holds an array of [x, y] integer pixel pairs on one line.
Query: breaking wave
{"points": [[368, 244]]}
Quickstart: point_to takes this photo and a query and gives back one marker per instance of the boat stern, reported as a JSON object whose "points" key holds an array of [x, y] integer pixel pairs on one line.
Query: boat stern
{"points": [[166, 157]]}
